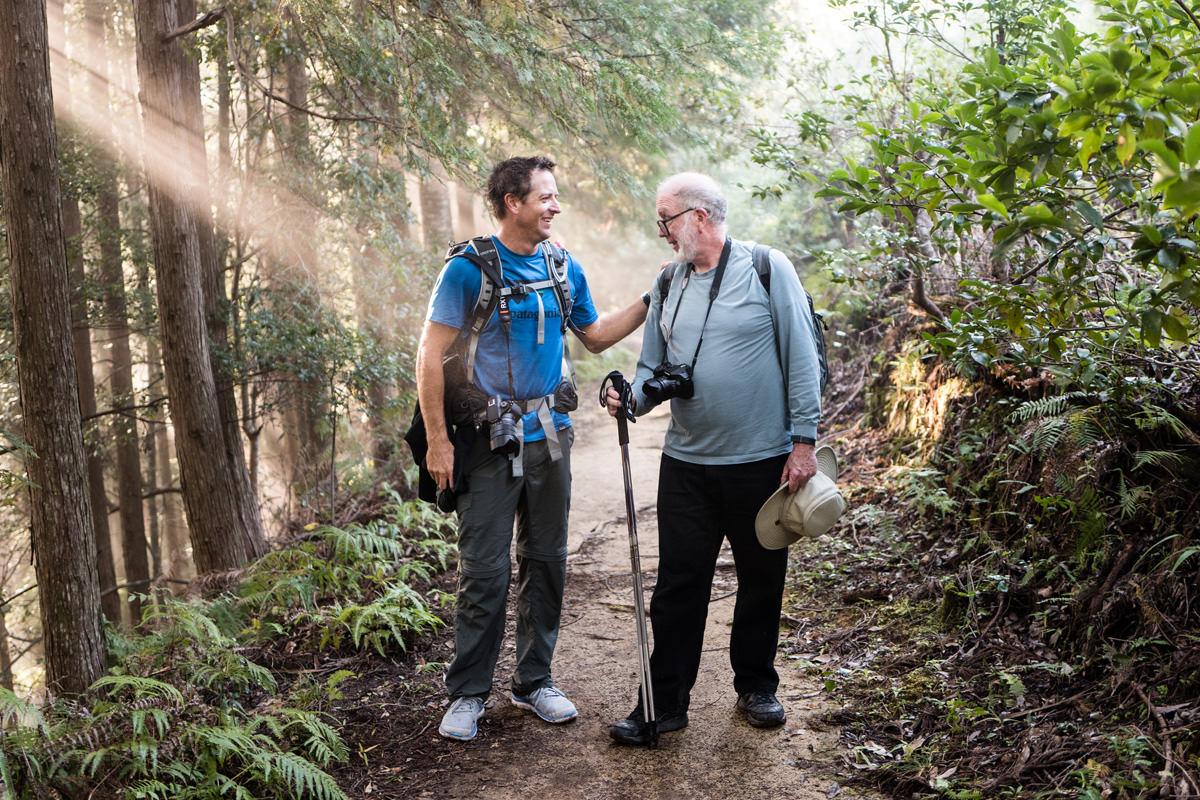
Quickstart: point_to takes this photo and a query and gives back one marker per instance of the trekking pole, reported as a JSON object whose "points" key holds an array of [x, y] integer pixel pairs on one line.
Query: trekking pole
{"points": [[625, 415]]}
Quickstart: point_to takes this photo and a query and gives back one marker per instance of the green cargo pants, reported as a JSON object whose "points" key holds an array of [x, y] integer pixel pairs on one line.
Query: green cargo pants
{"points": [[538, 501]]}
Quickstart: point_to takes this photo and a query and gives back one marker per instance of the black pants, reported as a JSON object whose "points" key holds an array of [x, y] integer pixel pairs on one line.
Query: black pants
{"points": [[698, 507]]}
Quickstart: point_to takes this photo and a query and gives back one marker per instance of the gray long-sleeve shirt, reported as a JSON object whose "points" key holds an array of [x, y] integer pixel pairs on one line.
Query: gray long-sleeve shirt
{"points": [[756, 377]]}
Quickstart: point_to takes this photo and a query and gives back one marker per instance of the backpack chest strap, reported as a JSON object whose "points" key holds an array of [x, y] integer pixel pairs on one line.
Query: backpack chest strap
{"points": [[520, 290]]}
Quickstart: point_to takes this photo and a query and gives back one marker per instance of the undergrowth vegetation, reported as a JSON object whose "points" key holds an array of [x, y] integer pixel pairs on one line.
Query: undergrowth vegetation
{"points": [[201, 704], [1020, 610]]}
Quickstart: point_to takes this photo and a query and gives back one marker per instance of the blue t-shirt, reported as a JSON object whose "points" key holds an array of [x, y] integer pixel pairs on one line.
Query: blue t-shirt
{"points": [[536, 369]]}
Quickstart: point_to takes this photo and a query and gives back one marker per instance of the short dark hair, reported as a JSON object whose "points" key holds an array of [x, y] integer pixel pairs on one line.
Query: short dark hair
{"points": [[512, 176]]}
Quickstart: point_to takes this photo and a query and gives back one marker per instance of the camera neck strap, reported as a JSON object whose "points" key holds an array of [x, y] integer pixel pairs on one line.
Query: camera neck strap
{"points": [[712, 295]]}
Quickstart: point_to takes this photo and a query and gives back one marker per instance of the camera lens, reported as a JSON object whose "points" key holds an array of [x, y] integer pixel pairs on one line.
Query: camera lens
{"points": [[502, 432], [670, 380]]}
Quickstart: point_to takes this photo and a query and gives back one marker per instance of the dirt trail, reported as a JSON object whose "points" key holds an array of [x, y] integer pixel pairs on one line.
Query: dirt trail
{"points": [[718, 756]]}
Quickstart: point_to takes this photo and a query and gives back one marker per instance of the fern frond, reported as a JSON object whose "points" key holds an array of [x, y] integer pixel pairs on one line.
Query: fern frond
{"points": [[1047, 406], [304, 778], [1130, 497], [1164, 459], [1047, 434], [1085, 428], [150, 790], [16, 710], [322, 741], [357, 542], [1151, 418], [139, 686]]}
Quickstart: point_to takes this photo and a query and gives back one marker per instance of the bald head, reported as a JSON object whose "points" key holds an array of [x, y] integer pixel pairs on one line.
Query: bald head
{"points": [[694, 189]]}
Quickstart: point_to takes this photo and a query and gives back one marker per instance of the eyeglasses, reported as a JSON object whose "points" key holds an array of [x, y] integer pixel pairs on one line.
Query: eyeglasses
{"points": [[662, 223]]}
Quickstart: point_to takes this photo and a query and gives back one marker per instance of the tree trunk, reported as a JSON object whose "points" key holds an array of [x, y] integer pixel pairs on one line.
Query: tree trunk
{"points": [[124, 425], [372, 283], [465, 200], [310, 405], [172, 533], [153, 519], [6, 674], [224, 523], [216, 303], [369, 276], [110, 601], [436, 224], [60, 520]]}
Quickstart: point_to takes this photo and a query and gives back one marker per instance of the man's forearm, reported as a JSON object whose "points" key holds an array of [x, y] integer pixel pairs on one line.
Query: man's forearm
{"points": [[431, 394], [614, 326]]}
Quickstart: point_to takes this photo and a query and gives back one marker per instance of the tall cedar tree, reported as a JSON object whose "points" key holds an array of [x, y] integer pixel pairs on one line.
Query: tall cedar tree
{"points": [[223, 518], [110, 601], [60, 519], [116, 327]]}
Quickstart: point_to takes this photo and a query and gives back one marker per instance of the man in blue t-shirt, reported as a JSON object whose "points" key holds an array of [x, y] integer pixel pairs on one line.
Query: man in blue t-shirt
{"points": [[520, 360]]}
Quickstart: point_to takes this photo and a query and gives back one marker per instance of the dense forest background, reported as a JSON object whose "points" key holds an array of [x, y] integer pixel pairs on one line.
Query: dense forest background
{"points": [[222, 225]]}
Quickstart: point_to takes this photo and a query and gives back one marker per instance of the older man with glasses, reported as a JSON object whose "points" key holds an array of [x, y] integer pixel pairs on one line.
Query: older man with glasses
{"points": [[734, 354]]}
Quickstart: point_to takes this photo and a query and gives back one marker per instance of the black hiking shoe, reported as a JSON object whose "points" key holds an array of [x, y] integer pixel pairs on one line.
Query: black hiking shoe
{"points": [[762, 709], [634, 730]]}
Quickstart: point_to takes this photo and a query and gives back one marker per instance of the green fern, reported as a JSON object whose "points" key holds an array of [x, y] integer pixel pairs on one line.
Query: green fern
{"points": [[357, 542], [1163, 459], [1052, 406], [1152, 418], [1086, 428], [1047, 434], [15, 710], [301, 776], [138, 686]]}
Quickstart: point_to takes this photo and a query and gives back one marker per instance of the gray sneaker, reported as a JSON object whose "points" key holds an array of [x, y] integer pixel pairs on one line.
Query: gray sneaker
{"points": [[459, 721], [548, 703]]}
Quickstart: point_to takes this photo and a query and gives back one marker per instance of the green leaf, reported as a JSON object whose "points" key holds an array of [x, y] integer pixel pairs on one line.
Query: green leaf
{"points": [[1168, 259], [1152, 326], [1105, 85], [1040, 214], [1191, 144], [1121, 58], [1064, 37], [1167, 156], [1075, 123], [1089, 213], [980, 357], [1089, 146], [1184, 194], [990, 202], [1126, 143], [1175, 328]]}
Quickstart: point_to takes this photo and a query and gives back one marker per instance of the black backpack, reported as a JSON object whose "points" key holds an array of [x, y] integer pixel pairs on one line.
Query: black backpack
{"points": [[462, 398], [762, 266], [494, 294]]}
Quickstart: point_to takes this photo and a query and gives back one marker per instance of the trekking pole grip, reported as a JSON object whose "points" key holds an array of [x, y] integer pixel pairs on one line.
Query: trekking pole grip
{"points": [[625, 413]]}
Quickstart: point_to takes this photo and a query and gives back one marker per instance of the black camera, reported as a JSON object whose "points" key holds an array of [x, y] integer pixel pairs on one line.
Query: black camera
{"points": [[503, 417], [670, 380]]}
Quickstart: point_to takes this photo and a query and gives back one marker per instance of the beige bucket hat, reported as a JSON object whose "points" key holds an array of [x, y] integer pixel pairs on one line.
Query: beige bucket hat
{"points": [[809, 512]]}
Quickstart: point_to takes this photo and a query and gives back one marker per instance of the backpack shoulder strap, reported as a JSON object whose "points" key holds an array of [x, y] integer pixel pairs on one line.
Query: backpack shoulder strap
{"points": [[665, 276], [480, 251], [556, 268], [762, 265]]}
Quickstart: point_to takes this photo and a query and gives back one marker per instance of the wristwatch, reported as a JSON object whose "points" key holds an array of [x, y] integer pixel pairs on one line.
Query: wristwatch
{"points": [[804, 440]]}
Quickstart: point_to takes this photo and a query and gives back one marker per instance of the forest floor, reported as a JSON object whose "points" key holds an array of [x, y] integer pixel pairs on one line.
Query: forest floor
{"points": [[390, 711]]}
